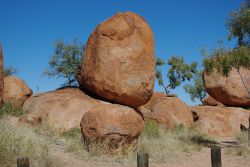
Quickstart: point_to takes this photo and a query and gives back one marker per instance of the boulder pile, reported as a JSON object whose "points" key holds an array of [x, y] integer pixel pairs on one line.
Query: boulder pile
{"points": [[117, 76]]}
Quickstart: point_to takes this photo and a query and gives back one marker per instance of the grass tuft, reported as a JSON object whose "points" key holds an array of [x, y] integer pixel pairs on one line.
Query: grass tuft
{"points": [[10, 109], [19, 141], [151, 129], [242, 149], [171, 143]]}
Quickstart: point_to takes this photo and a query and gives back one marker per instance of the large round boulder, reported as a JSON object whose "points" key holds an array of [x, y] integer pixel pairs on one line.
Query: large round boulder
{"points": [[118, 63], [62, 109], [221, 121], [170, 111], [231, 90], [112, 122], [16, 91]]}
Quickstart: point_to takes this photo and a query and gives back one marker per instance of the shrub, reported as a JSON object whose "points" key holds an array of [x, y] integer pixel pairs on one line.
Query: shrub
{"points": [[224, 60]]}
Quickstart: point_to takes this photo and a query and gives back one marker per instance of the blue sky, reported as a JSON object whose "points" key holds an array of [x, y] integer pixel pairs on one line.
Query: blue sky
{"points": [[29, 29]]}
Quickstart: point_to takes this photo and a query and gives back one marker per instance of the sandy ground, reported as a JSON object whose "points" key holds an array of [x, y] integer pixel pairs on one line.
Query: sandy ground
{"points": [[197, 159]]}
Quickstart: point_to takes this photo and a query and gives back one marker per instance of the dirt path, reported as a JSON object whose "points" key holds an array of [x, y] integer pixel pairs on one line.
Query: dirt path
{"points": [[202, 159], [197, 159]]}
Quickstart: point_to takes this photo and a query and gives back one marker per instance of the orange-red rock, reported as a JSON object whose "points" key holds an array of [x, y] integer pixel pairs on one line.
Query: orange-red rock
{"points": [[118, 63], [156, 96], [230, 89], [16, 91], [210, 101], [221, 121], [63, 109], [170, 111], [112, 122]]}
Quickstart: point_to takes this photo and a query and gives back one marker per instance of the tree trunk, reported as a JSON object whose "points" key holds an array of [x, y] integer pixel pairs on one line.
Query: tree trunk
{"points": [[243, 81], [165, 89], [1, 77]]}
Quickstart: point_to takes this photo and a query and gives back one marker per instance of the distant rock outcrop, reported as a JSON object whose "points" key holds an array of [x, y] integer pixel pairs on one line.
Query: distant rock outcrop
{"points": [[16, 91], [118, 63], [112, 122], [61, 108], [221, 121], [231, 90], [170, 111]]}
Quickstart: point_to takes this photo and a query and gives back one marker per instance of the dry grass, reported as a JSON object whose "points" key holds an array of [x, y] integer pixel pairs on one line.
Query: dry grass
{"points": [[19, 141], [242, 149], [161, 145], [170, 144]]}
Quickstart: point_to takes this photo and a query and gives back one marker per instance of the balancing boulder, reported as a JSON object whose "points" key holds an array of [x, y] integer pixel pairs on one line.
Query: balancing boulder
{"points": [[118, 63]]}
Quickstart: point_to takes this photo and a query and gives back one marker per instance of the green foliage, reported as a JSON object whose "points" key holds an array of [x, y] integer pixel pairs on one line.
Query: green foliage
{"points": [[178, 72], [158, 63], [65, 62], [224, 60], [8, 108], [8, 71], [151, 129], [238, 24], [197, 89]]}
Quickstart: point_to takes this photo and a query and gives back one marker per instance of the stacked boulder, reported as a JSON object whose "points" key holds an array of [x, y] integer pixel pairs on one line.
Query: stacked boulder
{"points": [[118, 63], [117, 76], [118, 66], [223, 113]]}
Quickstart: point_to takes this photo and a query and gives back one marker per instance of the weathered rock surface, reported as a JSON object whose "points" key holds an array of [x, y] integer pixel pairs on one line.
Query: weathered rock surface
{"points": [[1, 77], [156, 96], [112, 122], [16, 91], [231, 90], [170, 111], [210, 101], [118, 63], [221, 121], [61, 108]]}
